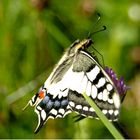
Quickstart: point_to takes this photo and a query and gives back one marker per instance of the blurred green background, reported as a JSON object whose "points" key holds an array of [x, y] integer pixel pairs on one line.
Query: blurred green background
{"points": [[34, 35]]}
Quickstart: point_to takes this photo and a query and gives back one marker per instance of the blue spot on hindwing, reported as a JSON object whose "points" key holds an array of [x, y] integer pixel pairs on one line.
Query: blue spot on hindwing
{"points": [[46, 99], [49, 105], [57, 104], [64, 103]]}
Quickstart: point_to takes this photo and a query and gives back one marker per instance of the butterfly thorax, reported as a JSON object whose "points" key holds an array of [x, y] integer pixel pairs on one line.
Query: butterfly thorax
{"points": [[83, 44]]}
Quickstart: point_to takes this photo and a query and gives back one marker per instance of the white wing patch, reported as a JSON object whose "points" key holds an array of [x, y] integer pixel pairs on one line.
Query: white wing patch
{"points": [[54, 111], [83, 85], [43, 114], [104, 111], [105, 95], [110, 101], [110, 112], [101, 82], [71, 80], [116, 100], [89, 88], [85, 108], [72, 104], [74, 80], [94, 92], [91, 109], [100, 96], [78, 107], [93, 73], [116, 112], [61, 110], [109, 87]]}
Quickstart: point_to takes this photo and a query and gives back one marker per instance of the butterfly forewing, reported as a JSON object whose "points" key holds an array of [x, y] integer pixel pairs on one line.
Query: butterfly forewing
{"points": [[76, 73]]}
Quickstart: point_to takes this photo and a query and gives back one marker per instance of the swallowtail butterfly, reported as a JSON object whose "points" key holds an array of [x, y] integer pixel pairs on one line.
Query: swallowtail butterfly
{"points": [[77, 72]]}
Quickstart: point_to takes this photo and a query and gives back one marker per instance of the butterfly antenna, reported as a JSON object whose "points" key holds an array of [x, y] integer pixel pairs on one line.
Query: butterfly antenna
{"points": [[91, 34], [98, 19]]}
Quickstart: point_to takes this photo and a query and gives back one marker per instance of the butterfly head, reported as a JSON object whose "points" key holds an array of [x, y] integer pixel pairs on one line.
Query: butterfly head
{"points": [[85, 43]]}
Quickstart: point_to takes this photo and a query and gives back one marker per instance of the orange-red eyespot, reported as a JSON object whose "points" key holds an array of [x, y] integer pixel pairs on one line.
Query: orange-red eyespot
{"points": [[41, 94]]}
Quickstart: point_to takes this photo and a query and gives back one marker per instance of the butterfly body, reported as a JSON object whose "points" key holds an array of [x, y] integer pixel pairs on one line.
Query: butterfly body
{"points": [[76, 73]]}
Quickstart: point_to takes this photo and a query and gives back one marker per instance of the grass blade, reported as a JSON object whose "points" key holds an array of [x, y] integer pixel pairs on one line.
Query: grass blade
{"points": [[103, 118]]}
